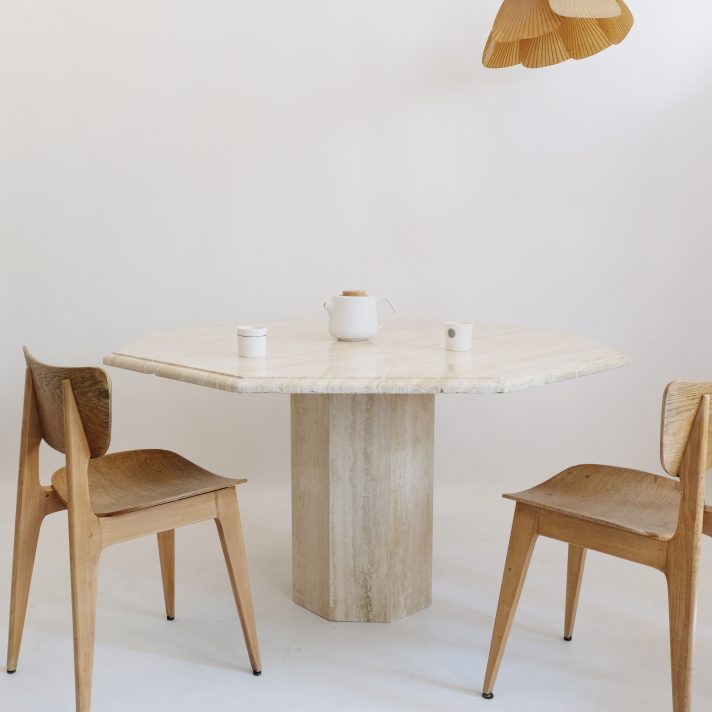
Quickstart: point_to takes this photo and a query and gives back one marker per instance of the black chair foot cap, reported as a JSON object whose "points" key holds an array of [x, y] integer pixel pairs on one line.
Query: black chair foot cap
{"points": [[257, 673], [170, 618], [488, 695], [10, 672], [568, 638]]}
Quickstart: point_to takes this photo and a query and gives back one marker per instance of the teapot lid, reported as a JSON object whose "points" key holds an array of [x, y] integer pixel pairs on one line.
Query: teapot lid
{"points": [[354, 293]]}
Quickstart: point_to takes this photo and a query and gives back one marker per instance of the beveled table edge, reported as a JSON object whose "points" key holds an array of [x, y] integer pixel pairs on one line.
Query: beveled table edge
{"points": [[362, 386]]}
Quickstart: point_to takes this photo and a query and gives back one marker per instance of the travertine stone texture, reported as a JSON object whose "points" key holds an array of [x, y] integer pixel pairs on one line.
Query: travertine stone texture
{"points": [[362, 437], [362, 504], [406, 357]]}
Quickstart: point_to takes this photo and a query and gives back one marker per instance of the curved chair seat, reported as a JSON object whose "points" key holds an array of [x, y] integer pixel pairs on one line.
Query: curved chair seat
{"points": [[637, 516], [137, 479], [114, 498], [635, 501]]}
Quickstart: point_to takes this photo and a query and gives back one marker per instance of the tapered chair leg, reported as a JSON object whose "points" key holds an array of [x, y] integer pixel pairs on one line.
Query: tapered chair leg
{"points": [[574, 574], [167, 555], [230, 531], [682, 594], [521, 545], [30, 513], [84, 554]]}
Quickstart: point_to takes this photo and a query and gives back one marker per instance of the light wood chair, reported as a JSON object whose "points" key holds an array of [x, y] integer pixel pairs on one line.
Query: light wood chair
{"points": [[110, 499], [649, 519]]}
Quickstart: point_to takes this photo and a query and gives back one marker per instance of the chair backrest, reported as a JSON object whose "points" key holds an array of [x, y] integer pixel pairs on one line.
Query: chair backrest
{"points": [[92, 392], [680, 403]]}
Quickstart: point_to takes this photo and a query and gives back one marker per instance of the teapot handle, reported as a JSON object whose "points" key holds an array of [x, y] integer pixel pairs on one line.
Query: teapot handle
{"points": [[393, 310]]}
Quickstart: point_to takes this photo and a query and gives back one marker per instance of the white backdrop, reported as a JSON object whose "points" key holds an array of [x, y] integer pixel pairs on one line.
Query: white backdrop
{"points": [[174, 163]]}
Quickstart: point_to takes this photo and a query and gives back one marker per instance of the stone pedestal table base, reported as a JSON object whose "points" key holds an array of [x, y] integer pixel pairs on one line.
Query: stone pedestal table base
{"points": [[362, 504]]}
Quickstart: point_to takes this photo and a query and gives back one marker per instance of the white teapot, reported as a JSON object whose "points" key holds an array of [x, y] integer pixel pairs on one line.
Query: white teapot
{"points": [[353, 316]]}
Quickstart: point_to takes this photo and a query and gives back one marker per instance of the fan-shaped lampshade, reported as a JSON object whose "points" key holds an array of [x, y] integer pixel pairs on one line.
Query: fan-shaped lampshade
{"points": [[529, 32], [617, 28], [585, 8], [524, 19]]}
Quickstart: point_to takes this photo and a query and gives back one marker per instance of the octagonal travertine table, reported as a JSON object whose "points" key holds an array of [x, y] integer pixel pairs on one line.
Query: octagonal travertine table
{"points": [[362, 421]]}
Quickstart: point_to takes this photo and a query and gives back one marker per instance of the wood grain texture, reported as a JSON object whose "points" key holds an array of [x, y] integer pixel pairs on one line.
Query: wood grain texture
{"points": [[683, 561], [405, 357], [233, 546], [619, 497], [638, 548], [136, 479], [92, 391], [167, 558], [84, 548], [34, 502], [585, 8], [633, 515], [362, 469], [574, 574], [137, 493], [141, 522], [680, 402], [521, 545]]}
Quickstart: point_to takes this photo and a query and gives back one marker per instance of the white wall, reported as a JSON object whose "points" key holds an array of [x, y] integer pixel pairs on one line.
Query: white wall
{"points": [[172, 163]]}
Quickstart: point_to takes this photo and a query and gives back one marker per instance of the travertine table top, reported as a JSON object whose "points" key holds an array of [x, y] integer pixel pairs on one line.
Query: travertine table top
{"points": [[405, 357]]}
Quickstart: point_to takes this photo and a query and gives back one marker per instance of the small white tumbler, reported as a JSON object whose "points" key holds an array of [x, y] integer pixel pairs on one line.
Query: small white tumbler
{"points": [[458, 336], [251, 341]]}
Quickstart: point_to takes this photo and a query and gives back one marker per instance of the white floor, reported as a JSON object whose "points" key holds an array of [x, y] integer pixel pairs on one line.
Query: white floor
{"points": [[618, 660]]}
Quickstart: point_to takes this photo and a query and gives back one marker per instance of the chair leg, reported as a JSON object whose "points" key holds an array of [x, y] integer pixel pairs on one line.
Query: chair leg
{"points": [[574, 574], [682, 595], [230, 531], [167, 555], [30, 513], [84, 552], [521, 545]]}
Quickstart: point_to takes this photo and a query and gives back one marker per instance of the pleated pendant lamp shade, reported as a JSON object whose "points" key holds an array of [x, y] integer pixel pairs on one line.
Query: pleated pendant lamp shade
{"points": [[585, 8], [523, 20], [539, 33]]}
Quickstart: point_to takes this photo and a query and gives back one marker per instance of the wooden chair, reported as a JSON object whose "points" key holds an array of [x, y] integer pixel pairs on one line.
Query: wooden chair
{"points": [[109, 499], [646, 518]]}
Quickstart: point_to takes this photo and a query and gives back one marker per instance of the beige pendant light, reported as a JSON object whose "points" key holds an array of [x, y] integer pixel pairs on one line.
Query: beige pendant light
{"points": [[617, 28], [500, 54], [543, 51], [582, 37], [531, 33], [585, 8], [524, 19]]}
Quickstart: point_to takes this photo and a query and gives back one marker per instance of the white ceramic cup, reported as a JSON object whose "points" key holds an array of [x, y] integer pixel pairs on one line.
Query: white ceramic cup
{"points": [[458, 336], [251, 341]]}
